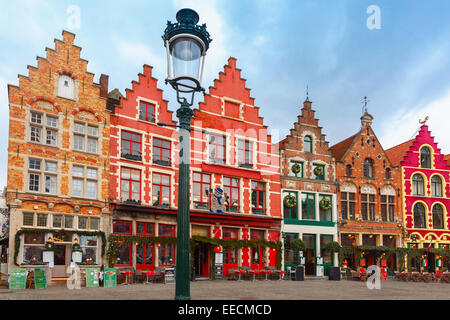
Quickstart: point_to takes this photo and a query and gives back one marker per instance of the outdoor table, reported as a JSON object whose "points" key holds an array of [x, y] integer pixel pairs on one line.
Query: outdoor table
{"points": [[281, 272], [240, 271], [126, 273], [254, 272], [263, 272], [148, 273]]}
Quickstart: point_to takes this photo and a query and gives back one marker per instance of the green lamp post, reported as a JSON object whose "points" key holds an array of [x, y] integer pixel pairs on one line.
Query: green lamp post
{"points": [[186, 44]]}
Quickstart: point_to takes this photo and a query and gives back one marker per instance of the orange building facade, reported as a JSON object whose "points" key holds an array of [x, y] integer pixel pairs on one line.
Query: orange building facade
{"points": [[58, 167], [370, 211]]}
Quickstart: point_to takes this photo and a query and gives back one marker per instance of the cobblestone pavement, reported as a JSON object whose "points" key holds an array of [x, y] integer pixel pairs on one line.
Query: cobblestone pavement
{"points": [[244, 290]]}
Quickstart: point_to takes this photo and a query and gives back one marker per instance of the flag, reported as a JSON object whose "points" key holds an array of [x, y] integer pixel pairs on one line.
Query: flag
{"points": [[429, 246]]}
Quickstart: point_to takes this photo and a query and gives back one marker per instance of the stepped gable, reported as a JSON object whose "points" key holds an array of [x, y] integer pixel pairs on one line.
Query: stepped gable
{"points": [[424, 137], [230, 97]]}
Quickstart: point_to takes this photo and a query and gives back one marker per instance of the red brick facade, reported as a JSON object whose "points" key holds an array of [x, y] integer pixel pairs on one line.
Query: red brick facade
{"points": [[370, 210], [58, 155]]}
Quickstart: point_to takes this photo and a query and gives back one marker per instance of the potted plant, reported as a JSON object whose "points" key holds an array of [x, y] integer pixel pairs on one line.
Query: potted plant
{"points": [[334, 272], [298, 245]]}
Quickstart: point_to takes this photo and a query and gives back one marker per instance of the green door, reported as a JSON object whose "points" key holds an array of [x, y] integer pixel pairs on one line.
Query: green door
{"points": [[328, 257], [310, 254]]}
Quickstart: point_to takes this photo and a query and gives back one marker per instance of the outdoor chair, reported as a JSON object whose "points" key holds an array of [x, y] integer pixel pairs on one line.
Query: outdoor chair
{"points": [[271, 273], [232, 274], [245, 275], [159, 274]]}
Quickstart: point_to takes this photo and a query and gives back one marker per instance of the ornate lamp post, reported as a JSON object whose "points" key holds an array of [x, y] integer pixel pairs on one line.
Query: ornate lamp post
{"points": [[186, 44]]}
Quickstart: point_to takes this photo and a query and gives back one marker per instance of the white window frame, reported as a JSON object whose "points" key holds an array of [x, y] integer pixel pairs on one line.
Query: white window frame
{"points": [[86, 136], [42, 174], [85, 179], [66, 87], [44, 128]]}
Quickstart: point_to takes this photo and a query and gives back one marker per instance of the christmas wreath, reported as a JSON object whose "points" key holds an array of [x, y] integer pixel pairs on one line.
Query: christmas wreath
{"points": [[325, 204], [290, 201], [318, 171], [296, 168], [48, 246]]}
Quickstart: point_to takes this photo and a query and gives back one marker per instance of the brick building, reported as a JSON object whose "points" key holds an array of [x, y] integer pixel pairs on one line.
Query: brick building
{"points": [[370, 211], [236, 154], [143, 173], [58, 150], [308, 176], [425, 192]]}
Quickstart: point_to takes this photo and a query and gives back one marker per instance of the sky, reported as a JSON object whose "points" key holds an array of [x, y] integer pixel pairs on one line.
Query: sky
{"points": [[397, 55]]}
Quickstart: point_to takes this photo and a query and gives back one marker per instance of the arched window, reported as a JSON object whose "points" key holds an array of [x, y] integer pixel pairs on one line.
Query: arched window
{"points": [[348, 170], [419, 216], [388, 173], [368, 168], [436, 186], [417, 182], [425, 157], [307, 144], [66, 87], [438, 217]]}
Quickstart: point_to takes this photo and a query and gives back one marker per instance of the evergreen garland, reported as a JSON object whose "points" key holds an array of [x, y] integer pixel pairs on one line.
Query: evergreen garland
{"points": [[53, 231]]}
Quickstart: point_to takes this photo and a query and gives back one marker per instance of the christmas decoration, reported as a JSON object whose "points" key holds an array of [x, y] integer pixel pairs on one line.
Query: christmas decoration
{"points": [[296, 168], [290, 201], [318, 171], [325, 204]]}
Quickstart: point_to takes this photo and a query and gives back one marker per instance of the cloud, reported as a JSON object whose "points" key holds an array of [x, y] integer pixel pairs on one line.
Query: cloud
{"points": [[405, 123]]}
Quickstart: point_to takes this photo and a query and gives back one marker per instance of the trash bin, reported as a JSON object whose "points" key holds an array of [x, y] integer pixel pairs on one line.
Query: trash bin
{"points": [[334, 273], [299, 273]]}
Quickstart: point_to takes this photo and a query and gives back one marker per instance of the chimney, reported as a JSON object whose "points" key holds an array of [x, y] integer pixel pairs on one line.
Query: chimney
{"points": [[366, 120], [104, 79]]}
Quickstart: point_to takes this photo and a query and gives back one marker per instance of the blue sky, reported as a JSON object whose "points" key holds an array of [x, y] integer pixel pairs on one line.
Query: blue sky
{"points": [[281, 47]]}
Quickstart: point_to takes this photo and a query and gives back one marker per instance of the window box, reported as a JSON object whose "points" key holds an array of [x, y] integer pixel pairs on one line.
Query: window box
{"points": [[133, 202], [162, 163], [134, 157], [246, 165]]}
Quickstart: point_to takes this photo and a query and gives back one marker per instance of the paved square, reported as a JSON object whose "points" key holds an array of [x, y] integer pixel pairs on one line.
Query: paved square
{"points": [[245, 290]]}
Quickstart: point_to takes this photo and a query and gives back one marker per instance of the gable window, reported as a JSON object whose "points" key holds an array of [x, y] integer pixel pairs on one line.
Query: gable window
{"points": [[387, 208], [348, 170], [42, 176], [130, 184], [368, 207], [368, 168], [161, 190], [348, 205], [419, 215], [245, 153], [307, 144], [44, 128], [418, 185], [258, 197], [438, 217], [436, 186], [308, 206], [217, 149], [131, 146], [296, 169], [202, 186], [84, 182], [231, 188], [85, 137], [66, 87], [387, 174], [147, 111], [161, 152], [425, 157], [319, 172]]}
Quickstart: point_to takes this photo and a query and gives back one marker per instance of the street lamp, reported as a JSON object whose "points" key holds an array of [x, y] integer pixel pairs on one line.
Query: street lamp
{"points": [[186, 44]]}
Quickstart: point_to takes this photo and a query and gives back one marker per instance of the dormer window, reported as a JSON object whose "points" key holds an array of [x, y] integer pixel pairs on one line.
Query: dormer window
{"points": [[425, 157], [66, 87]]}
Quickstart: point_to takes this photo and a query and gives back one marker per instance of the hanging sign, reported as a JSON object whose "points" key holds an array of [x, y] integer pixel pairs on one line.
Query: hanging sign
{"points": [[110, 278], [18, 278], [169, 275], [92, 277], [40, 278]]}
